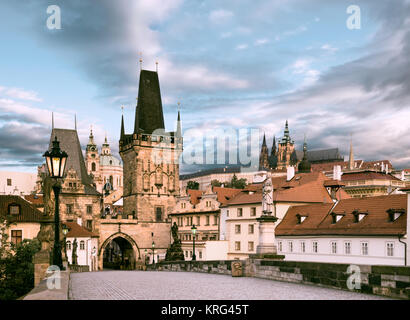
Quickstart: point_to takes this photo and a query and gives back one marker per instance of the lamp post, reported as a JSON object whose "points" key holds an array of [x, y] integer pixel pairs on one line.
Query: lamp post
{"points": [[153, 251], [145, 256], [193, 229], [56, 161]]}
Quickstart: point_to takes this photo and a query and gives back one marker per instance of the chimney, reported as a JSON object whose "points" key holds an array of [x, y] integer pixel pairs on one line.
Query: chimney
{"points": [[80, 221], [382, 166], [337, 173], [387, 168], [290, 173]]}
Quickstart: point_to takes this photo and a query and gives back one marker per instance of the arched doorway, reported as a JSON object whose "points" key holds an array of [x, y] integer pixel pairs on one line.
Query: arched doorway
{"points": [[119, 252]]}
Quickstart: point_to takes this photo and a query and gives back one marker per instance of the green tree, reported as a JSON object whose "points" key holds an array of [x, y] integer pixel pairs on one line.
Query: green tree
{"points": [[216, 183], [236, 183], [16, 266], [193, 185]]}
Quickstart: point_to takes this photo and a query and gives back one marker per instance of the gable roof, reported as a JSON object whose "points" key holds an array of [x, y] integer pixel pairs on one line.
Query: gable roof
{"points": [[367, 175], [77, 231], [319, 220], [70, 143], [359, 164], [28, 212], [321, 155]]}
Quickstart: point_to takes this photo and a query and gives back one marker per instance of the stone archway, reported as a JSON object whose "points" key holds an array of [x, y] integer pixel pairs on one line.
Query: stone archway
{"points": [[128, 251]]}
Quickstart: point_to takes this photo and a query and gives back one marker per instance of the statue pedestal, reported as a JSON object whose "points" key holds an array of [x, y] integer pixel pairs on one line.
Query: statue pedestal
{"points": [[41, 262], [266, 235]]}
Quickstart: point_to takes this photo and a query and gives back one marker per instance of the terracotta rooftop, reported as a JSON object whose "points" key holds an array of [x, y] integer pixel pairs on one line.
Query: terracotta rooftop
{"points": [[319, 219], [225, 194], [303, 187], [28, 212], [35, 199], [359, 164], [77, 231], [194, 195], [367, 175]]}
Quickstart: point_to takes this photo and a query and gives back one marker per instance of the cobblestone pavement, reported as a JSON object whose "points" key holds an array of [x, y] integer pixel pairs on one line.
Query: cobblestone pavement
{"points": [[155, 285]]}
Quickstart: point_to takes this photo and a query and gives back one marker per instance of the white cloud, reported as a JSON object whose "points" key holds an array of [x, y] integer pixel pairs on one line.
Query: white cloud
{"points": [[242, 46], [21, 94], [220, 16], [260, 42], [327, 47]]}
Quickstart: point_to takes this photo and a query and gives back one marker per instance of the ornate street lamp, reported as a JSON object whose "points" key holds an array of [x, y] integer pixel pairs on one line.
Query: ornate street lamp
{"points": [[153, 252], [65, 231], [56, 161], [193, 229]]}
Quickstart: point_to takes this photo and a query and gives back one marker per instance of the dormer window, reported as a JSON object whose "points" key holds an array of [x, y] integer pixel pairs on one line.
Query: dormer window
{"points": [[301, 218], [336, 217], [358, 216], [14, 209], [394, 214]]}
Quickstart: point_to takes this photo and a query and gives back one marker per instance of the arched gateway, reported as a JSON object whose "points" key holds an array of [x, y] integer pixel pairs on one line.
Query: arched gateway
{"points": [[119, 251]]}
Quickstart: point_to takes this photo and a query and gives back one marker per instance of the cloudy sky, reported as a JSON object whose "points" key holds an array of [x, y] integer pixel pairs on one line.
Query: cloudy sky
{"points": [[232, 64]]}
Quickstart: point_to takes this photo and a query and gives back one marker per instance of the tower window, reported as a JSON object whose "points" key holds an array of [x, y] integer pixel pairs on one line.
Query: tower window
{"points": [[93, 166], [158, 213]]}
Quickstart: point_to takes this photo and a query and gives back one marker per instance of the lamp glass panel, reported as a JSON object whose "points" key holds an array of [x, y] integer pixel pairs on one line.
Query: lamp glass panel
{"points": [[49, 166], [193, 231], [56, 167], [63, 162]]}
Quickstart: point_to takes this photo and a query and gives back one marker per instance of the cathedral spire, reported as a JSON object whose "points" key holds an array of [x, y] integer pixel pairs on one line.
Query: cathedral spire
{"points": [[351, 156], [179, 130], [264, 140], [273, 151]]}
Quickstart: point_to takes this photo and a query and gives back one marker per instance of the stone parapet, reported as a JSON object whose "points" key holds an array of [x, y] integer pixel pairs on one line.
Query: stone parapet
{"points": [[53, 288]]}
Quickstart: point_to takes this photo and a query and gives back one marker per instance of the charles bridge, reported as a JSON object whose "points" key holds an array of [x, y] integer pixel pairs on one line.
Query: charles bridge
{"points": [[255, 278]]}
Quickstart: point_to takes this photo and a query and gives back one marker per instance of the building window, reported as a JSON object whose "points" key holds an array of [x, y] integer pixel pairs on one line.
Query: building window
{"points": [[93, 166], [239, 212], [302, 246], [158, 213], [190, 254], [237, 228], [253, 211], [334, 247], [14, 209], [250, 246], [89, 209], [315, 247], [69, 209], [390, 249], [280, 247], [68, 245], [198, 220], [16, 236], [365, 248], [237, 245], [348, 248], [9, 182], [89, 224], [227, 213], [207, 221], [82, 245], [215, 220], [200, 254], [186, 254], [290, 246], [251, 228]]}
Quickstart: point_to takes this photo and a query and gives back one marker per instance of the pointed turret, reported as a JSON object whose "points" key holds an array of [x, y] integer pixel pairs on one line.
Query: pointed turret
{"points": [[273, 151], [91, 138], [179, 130], [122, 128], [304, 165], [263, 157]]}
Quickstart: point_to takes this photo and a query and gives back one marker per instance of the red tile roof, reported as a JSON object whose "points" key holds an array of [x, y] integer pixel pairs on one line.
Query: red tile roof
{"points": [[225, 194], [360, 164], [35, 199], [319, 220], [367, 175], [28, 212], [77, 231], [194, 195]]}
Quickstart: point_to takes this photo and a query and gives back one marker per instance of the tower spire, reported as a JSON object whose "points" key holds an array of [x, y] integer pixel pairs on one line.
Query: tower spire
{"points": [[273, 151], [122, 124], [179, 131], [137, 123]]}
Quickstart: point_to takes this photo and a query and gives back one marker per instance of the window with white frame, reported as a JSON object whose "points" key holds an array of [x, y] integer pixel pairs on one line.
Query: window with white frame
{"points": [[390, 249], [253, 211], [365, 248], [82, 245], [302, 246], [290, 246], [251, 228], [237, 245], [348, 247], [334, 247], [280, 247], [68, 245], [315, 246], [240, 212], [250, 246]]}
